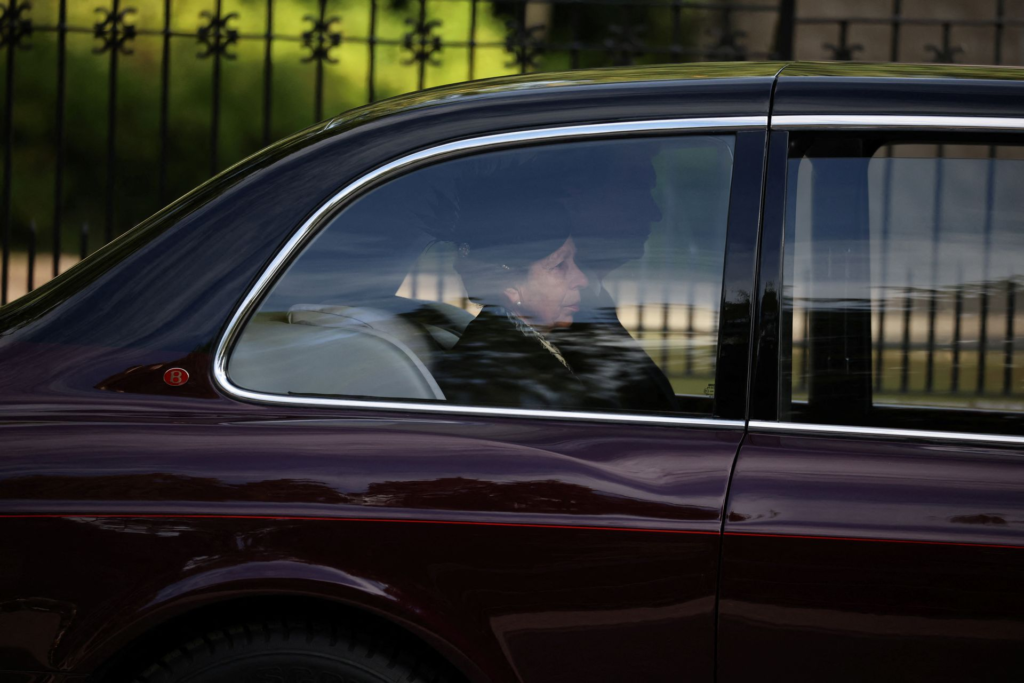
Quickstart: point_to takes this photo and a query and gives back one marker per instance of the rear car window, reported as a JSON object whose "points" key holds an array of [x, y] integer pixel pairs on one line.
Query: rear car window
{"points": [[904, 265], [577, 276]]}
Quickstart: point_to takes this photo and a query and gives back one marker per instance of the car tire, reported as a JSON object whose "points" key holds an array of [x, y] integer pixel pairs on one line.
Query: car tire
{"points": [[293, 651]]}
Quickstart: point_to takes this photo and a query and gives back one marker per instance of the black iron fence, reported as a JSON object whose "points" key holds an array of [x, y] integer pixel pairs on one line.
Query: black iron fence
{"points": [[96, 71]]}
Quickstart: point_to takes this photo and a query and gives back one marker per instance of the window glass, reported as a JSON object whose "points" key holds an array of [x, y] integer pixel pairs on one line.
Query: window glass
{"points": [[582, 276], [903, 269]]}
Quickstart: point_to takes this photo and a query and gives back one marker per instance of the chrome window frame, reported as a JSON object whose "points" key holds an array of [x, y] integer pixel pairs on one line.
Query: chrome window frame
{"points": [[811, 429], [900, 122], [887, 122], [328, 210]]}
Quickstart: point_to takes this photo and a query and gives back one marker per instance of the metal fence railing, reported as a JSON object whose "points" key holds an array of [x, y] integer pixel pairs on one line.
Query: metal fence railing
{"points": [[93, 73]]}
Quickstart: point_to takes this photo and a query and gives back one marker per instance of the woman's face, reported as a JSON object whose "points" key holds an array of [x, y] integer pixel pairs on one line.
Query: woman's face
{"points": [[549, 296]]}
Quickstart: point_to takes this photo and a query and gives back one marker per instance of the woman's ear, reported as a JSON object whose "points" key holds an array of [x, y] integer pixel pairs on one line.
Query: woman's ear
{"points": [[513, 296]]}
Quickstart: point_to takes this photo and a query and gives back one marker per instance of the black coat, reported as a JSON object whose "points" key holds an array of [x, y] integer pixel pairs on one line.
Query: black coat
{"points": [[496, 363]]}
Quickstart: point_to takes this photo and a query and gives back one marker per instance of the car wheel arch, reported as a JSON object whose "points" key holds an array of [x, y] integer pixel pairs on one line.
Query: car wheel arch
{"points": [[129, 647]]}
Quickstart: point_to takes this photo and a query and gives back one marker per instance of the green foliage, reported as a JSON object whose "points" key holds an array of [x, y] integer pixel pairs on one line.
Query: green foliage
{"points": [[577, 37], [190, 96]]}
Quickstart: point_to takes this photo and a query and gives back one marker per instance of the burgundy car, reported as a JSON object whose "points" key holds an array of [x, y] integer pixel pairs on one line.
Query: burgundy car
{"points": [[685, 373]]}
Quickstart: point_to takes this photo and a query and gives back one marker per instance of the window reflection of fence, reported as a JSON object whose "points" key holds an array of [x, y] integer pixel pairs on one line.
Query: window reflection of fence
{"points": [[962, 354], [946, 237]]}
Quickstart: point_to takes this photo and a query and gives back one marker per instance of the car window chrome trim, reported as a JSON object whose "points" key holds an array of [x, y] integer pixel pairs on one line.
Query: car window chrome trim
{"points": [[811, 429], [870, 121], [328, 209], [443, 408]]}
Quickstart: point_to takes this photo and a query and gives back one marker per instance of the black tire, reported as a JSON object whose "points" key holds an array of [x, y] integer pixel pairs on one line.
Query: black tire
{"points": [[293, 651]]}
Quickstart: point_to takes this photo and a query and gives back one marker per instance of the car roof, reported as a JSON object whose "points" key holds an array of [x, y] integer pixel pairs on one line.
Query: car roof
{"points": [[839, 82], [860, 89], [888, 71], [696, 71], [559, 83]]}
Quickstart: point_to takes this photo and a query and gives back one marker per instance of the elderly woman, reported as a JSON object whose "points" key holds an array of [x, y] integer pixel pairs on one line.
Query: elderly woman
{"points": [[520, 265]]}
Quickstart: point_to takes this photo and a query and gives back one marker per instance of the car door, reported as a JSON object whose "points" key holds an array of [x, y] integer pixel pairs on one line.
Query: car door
{"points": [[875, 523], [571, 542]]}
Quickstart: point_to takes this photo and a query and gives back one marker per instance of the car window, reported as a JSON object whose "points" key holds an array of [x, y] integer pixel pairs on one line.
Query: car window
{"points": [[903, 268], [581, 276]]}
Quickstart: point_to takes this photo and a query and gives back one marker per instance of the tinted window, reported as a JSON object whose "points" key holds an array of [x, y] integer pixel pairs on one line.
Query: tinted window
{"points": [[903, 269], [582, 276]]}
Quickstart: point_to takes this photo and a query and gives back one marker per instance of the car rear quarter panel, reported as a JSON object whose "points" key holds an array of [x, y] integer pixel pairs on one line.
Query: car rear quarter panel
{"points": [[536, 550]]}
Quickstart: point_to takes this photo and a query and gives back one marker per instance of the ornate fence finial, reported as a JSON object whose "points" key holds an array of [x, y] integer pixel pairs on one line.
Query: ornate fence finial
{"points": [[320, 39], [422, 42], [216, 36], [114, 30], [843, 51], [525, 45], [14, 27], [624, 44], [946, 54]]}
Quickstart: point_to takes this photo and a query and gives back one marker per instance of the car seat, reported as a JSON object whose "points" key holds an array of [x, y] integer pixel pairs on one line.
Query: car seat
{"points": [[348, 351]]}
